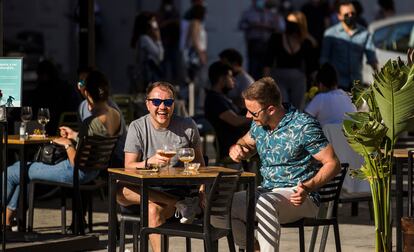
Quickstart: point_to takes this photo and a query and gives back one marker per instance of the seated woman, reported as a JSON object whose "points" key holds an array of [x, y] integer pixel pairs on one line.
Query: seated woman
{"points": [[104, 121]]}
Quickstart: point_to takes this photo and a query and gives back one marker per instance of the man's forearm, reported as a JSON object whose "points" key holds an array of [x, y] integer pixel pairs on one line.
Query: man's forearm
{"points": [[325, 174]]}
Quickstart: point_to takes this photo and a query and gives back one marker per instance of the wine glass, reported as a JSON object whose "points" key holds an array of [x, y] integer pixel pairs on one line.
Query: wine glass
{"points": [[26, 114], [43, 117], [186, 155], [167, 151]]}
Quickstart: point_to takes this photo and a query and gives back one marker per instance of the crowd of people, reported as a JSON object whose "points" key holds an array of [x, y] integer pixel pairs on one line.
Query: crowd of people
{"points": [[258, 110]]}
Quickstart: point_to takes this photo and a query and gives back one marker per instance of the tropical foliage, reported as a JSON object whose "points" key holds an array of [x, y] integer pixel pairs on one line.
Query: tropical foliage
{"points": [[373, 135]]}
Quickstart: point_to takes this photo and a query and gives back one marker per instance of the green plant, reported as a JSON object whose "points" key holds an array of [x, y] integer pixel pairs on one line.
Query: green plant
{"points": [[373, 135]]}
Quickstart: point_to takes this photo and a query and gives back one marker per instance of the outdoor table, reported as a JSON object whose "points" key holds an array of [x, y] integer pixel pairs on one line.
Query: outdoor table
{"points": [[22, 145], [173, 176]]}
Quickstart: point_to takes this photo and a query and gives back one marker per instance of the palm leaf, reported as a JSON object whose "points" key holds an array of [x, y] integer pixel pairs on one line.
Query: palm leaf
{"points": [[363, 132], [393, 89]]}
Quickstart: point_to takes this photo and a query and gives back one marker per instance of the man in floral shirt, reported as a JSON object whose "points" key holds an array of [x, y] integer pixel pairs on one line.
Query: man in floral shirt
{"points": [[289, 144]]}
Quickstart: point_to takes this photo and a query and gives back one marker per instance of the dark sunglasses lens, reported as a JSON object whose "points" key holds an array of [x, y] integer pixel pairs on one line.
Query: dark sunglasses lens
{"points": [[168, 102], [156, 102]]}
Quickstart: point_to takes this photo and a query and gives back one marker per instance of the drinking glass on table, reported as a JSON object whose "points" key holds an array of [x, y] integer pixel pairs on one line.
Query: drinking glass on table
{"points": [[26, 115], [186, 155], [167, 151], [43, 117]]}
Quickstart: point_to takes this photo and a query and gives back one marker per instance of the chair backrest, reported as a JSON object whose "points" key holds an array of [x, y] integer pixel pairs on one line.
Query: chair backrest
{"points": [[220, 197], [330, 192], [125, 104], [94, 152]]}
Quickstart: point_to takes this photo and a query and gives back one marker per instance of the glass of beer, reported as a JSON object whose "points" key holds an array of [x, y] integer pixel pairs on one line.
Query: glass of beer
{"points": [[186, 155], [168, 152]]}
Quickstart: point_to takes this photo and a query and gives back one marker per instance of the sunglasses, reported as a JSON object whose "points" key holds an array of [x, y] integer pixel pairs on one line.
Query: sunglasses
{"points": [[256, 114], [157, 102]]}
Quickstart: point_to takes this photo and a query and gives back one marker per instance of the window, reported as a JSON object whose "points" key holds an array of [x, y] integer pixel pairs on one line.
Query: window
{"points": [[396, 37]]}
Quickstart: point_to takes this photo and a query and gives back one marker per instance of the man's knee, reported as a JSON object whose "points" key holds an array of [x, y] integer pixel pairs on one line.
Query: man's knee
{"points": [[125, 197]]}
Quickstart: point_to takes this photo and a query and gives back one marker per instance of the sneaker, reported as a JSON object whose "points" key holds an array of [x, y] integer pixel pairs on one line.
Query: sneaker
{"points": [[187, 209]]}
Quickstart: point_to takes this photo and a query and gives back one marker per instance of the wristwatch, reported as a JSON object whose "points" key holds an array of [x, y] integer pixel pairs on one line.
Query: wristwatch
{"points": [[67, 146]]}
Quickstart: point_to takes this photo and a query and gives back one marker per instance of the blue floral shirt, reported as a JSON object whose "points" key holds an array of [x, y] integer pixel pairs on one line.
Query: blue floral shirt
{"points": [[286, 152]]}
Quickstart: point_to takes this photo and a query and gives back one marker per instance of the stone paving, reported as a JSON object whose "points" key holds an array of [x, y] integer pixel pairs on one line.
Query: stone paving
{"points": [[357, 233]]}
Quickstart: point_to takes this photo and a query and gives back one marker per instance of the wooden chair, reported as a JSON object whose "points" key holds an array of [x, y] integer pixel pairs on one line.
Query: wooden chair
{"points": [[93, 153], [218, 203], [329, 196]]}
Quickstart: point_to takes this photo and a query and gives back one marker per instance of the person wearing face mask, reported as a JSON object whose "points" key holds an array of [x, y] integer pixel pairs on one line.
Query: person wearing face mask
{"points": [[258, 23], [344, 45], [289, 58], [146, 39], [219, 109]]}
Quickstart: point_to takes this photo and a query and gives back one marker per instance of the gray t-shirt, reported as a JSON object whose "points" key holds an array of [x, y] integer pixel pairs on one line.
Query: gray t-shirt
{"points": [[144, 139]]}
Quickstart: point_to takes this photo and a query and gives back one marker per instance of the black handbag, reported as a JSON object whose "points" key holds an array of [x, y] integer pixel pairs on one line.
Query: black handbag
{"points": [[51, 153]]}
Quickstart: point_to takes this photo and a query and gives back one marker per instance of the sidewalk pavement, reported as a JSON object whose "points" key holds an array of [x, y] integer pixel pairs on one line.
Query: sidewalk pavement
{"points": [[357, 233]]}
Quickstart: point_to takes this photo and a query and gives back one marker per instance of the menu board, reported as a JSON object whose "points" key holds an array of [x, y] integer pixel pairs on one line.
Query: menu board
{"points": [[11, 82]]}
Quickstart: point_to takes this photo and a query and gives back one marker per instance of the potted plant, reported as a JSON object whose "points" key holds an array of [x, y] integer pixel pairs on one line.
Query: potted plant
{"points": [[373, 135]]}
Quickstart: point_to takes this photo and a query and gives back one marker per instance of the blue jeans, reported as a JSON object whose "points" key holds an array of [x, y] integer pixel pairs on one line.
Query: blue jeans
{"points": [[61, 172]]}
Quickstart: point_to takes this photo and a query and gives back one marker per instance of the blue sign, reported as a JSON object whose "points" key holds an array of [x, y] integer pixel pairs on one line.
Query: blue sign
{"points": [[11, 82]]}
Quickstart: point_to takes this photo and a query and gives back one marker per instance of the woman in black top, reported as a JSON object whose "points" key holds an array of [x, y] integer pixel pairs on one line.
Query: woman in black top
{"points": [[288, 60]]}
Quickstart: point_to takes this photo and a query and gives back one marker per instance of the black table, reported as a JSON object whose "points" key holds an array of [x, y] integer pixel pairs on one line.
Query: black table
{"points": [[173, 176]]}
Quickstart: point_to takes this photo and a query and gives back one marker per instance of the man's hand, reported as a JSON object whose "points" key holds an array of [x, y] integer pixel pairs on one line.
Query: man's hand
{"points": [[158, 159], [300, 195], [238, 152]]}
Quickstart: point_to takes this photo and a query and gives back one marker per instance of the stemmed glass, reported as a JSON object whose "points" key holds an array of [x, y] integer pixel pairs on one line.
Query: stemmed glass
{"points": [[43, 117], [167, 151], [186, 155], [26, 115]]}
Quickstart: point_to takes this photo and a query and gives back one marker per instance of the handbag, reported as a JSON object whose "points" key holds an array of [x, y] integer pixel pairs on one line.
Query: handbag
{"points": [[51, 154]]}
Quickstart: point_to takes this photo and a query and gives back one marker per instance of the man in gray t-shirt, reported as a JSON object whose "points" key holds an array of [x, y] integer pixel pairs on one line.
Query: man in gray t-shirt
{"points": [[145, 139], [145, 136]]}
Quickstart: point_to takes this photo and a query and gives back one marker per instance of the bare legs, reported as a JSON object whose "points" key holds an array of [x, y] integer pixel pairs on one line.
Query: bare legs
{"points": [[161, 206]]}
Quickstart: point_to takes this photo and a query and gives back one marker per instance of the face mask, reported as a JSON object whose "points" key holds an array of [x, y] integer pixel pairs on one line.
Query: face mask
{"points": [[350, 21], [292, 28]]}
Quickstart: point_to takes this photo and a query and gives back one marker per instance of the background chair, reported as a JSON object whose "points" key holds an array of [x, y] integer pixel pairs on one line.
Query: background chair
{"points": [[329, 198], [69, 119], [93, 153], [125, 103], [353, 190], [219, 201]]}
